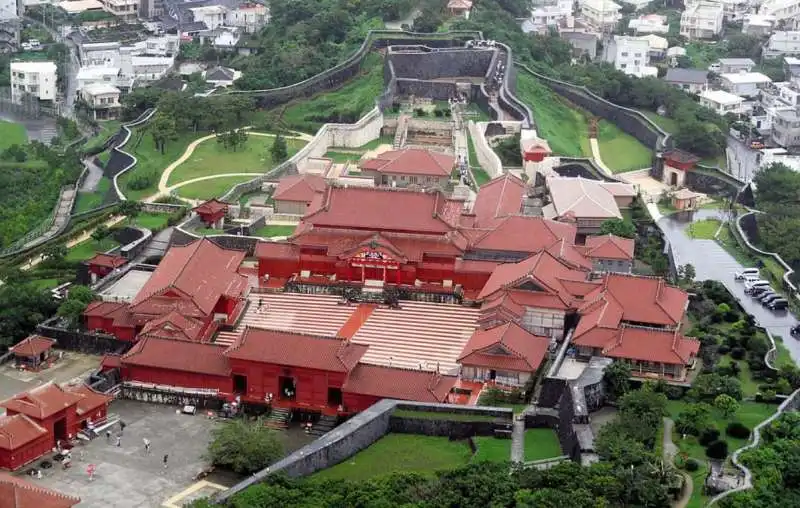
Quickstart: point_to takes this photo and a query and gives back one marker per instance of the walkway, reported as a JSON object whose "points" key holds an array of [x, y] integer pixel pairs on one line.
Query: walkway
{"points": [[93, 175], [62, 215], [72, 243], [518, 440], [596, 156], [670, 451]]}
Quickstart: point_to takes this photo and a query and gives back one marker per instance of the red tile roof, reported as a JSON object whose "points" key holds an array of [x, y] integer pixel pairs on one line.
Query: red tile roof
{"points": [[384, 209], [566, 251], [411, 161], [609, 247], [18, 430], [201, 272], [394, 383], [18, 493], [299, 188], [277, 250], [505, 347], [498, 198], [173, 326], [158, 305], [651, 345], [107, 261], [211, 206], [518, 233], [90, 399], [644, 299], [33, 345], [180, 355], [296, 350], [41, 402]]}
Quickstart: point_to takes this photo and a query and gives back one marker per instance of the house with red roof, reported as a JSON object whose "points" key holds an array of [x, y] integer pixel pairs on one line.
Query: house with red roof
{"points": [[609, 253], [18, 493], [22, 441], [101, 265], [212, 213], [409, 166], [33, 351], [294, 193], [367, 384]]}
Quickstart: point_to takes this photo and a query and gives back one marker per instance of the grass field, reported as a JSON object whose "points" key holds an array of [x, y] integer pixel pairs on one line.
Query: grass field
{"points": [[565, 128], [107, 129], [401, 452], [435, 415], [208, 189], [44, 283], [492, 449], [620, 151], [151, 220], [366, 147], [12, 134], [668, 124], [274, 230], [90, 200], [541, 444], [343, 157], [344, 105], [88, 249], [211, 158], [703, 229]]}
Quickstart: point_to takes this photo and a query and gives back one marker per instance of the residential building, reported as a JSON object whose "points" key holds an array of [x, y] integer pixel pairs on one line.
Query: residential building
{"points": [[601, 14], [702, 19], [33, 79], [657, 46], [99, 54], [673, 54], [75, 7], [544, 17], [90, 75], [639, 4], [786, 128], [630, 55], [250, 17], [782, 43], [588, 203], [722, 102], [221, 38], [792, 66], [732, 65], [211, 15], [221, 76], [583, 44], [691, 81], [102, 99], [758, 25], [735, 10], [610, 253], [649, 24], [409, 166], [781, 10], [126, 10], [744, 84], [459, 8], [10, 12], [294, 193]]}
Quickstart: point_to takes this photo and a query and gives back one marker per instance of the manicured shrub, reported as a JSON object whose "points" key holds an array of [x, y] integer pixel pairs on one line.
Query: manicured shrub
{"points": [[717, 450], [691, 465], [738, 353], [737, 430], [708, 436], [724, 349]]}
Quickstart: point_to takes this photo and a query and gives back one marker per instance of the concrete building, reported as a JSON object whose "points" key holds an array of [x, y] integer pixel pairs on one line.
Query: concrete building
{"points": [[649, 24], [545, 16], [36, 79], [673, 54], [221, 76], [692, 81], [782, 43], [657, 46], [722, 102], [249, 17], [95, 54], [582, 43], [95, 74], [780, 9], [702, 19], [786, 128], [744, 84], [630, 55], [734, 10], [757, 25], [732, 65], [212, 15], [126, 10], [10, 11], [103, 100], [601, 14]]}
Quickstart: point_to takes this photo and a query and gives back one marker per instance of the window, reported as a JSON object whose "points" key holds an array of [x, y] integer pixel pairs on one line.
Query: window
{"points": [[624, 53], [622, 66]]}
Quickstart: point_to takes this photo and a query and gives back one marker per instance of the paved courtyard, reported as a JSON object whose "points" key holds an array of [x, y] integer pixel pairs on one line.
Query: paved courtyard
{"points": [[72, 367], [126, 476]]}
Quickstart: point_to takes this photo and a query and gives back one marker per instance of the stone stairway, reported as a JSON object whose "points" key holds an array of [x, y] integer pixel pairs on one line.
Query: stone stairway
{"points": [[278, 419], [325, 424], [400, 134]]}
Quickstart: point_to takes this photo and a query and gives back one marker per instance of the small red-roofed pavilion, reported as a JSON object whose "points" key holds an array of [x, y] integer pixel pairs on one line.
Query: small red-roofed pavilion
{"points": [[535, 150], [102, 264], [33, 352], [212, 213], [676, 164]]}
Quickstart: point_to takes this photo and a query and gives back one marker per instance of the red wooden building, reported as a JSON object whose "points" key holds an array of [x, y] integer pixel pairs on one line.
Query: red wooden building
{"points": [[33, 351], [212, 213], [18, 493], [101, 265], [22, 440]]}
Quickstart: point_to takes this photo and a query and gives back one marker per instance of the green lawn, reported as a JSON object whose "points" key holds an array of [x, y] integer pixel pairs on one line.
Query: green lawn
{"points": [[274, 230], [541, 444], [749, 385], [211, 158], [343, 157], [151, 220], [782, 356], [480, 176], [107, 129], [208, 189], [88, 249], [435, 415], [366, 147], [401, 452], [91, 200], [12, 134], [668, 124], [620, 151], [565, 127], [44, 283], [703, 229], [492, 449], [343, 105], [703, 54]]}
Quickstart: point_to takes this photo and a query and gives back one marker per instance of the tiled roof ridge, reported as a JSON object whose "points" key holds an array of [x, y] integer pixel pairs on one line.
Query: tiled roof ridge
{"points": [[506, 177], [237, 344], [9, 418], [609, 238], [32, 487]]}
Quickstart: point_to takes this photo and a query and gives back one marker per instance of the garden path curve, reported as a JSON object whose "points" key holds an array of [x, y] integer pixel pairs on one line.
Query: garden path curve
{"points": [[670, 450], [596, 155]]}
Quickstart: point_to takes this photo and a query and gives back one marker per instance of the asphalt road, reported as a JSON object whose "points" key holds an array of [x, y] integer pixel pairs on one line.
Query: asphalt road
{"points": [[711, 261]]}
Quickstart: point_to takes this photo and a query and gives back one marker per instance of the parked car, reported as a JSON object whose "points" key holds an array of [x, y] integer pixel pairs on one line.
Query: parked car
{"points": [[766, 295], [779, 304], [747, 272], [754, 283], [769, 299], [759, 291]]}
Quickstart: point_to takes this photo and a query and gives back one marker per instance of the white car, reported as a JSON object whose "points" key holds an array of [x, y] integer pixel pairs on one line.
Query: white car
{"points": [[746, 273], [751, 284]]}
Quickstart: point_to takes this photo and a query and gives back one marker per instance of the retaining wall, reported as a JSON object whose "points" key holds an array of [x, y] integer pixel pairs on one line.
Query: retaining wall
{"points": [[743, 239], [124, 157], [160, 207], [422, 63], [88, 343], [487, 158]]}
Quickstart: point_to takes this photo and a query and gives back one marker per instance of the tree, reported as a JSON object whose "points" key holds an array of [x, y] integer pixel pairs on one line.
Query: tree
{"points": [[100, 233], [693, 419], [726, 405], [232, 139], [244, 447], [617, 377], [162, 129], [55, 252], [279, 150], [22, 307], [717, 450], [618, 227], [130, 209], [687, 273], [71, 309]]}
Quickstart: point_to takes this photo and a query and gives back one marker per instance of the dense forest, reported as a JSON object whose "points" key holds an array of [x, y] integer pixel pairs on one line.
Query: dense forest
{"points": [[778, 194]]}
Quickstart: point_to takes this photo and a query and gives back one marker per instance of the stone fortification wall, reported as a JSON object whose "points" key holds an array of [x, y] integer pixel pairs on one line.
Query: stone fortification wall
{"points": [[122, 160], [435, 90], [428, 63], [487, 158]]}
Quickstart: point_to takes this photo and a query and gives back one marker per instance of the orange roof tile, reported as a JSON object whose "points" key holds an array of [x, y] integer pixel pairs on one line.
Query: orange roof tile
{"points": [[107, 260], [505, 347], [296, 350], [518, 233], [173, 326], [17, 431], [33, 345], [394, 383], [651, 345], [609, 247], [498, 198], [211, 206], [41, 402], [180, 355], [277, 250], [299, 188], [411, 161], [18, 493], [90, 399]]}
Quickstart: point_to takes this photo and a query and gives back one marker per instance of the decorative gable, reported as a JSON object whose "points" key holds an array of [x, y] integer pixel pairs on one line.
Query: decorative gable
{"points": [[499, 350], [530, 285]]}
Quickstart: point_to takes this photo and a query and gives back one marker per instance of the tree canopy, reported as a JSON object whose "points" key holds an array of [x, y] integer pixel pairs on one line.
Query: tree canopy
{"points": [[244, 447]]}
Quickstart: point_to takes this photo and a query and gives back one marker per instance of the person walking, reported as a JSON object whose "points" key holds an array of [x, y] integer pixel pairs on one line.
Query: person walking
{"points": [[119, 441], [146, 446], [166, 458], [121, 427], [108, 436]]}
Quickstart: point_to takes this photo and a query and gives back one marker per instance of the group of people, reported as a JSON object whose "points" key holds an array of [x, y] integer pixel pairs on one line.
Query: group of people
{"points": [[145, 441]]}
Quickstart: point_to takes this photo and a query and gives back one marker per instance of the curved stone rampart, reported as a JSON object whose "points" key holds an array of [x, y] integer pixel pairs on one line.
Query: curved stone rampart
{"points": [[118, 149]]}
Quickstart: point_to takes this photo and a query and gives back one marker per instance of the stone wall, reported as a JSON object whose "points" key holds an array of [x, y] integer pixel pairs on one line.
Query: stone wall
{"points": [[442, 428], [713, 183], [87, 343], [434, 90], [586, 168], [160, 207], [421, 63], [487, 158]]}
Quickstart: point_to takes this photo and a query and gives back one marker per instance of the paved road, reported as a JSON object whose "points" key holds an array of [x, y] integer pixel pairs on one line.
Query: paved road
{"points": [[94, 174], [711, 261]]}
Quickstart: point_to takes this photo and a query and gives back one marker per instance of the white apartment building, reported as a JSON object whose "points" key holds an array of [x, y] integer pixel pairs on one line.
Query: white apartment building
{"points": [[702, 19], [758, 25], [780, 9], [545, 16], [103, 100], [9, 10], [96, 74], [649, 24], [126, 10], [9, 25], [639, 4], [734, 10], [37, 79], [601, 14], [95, 54], [253, 17], [732, 65], [782, 43], [744, 84], [722, 102], [212, 15], [630, 55]]}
